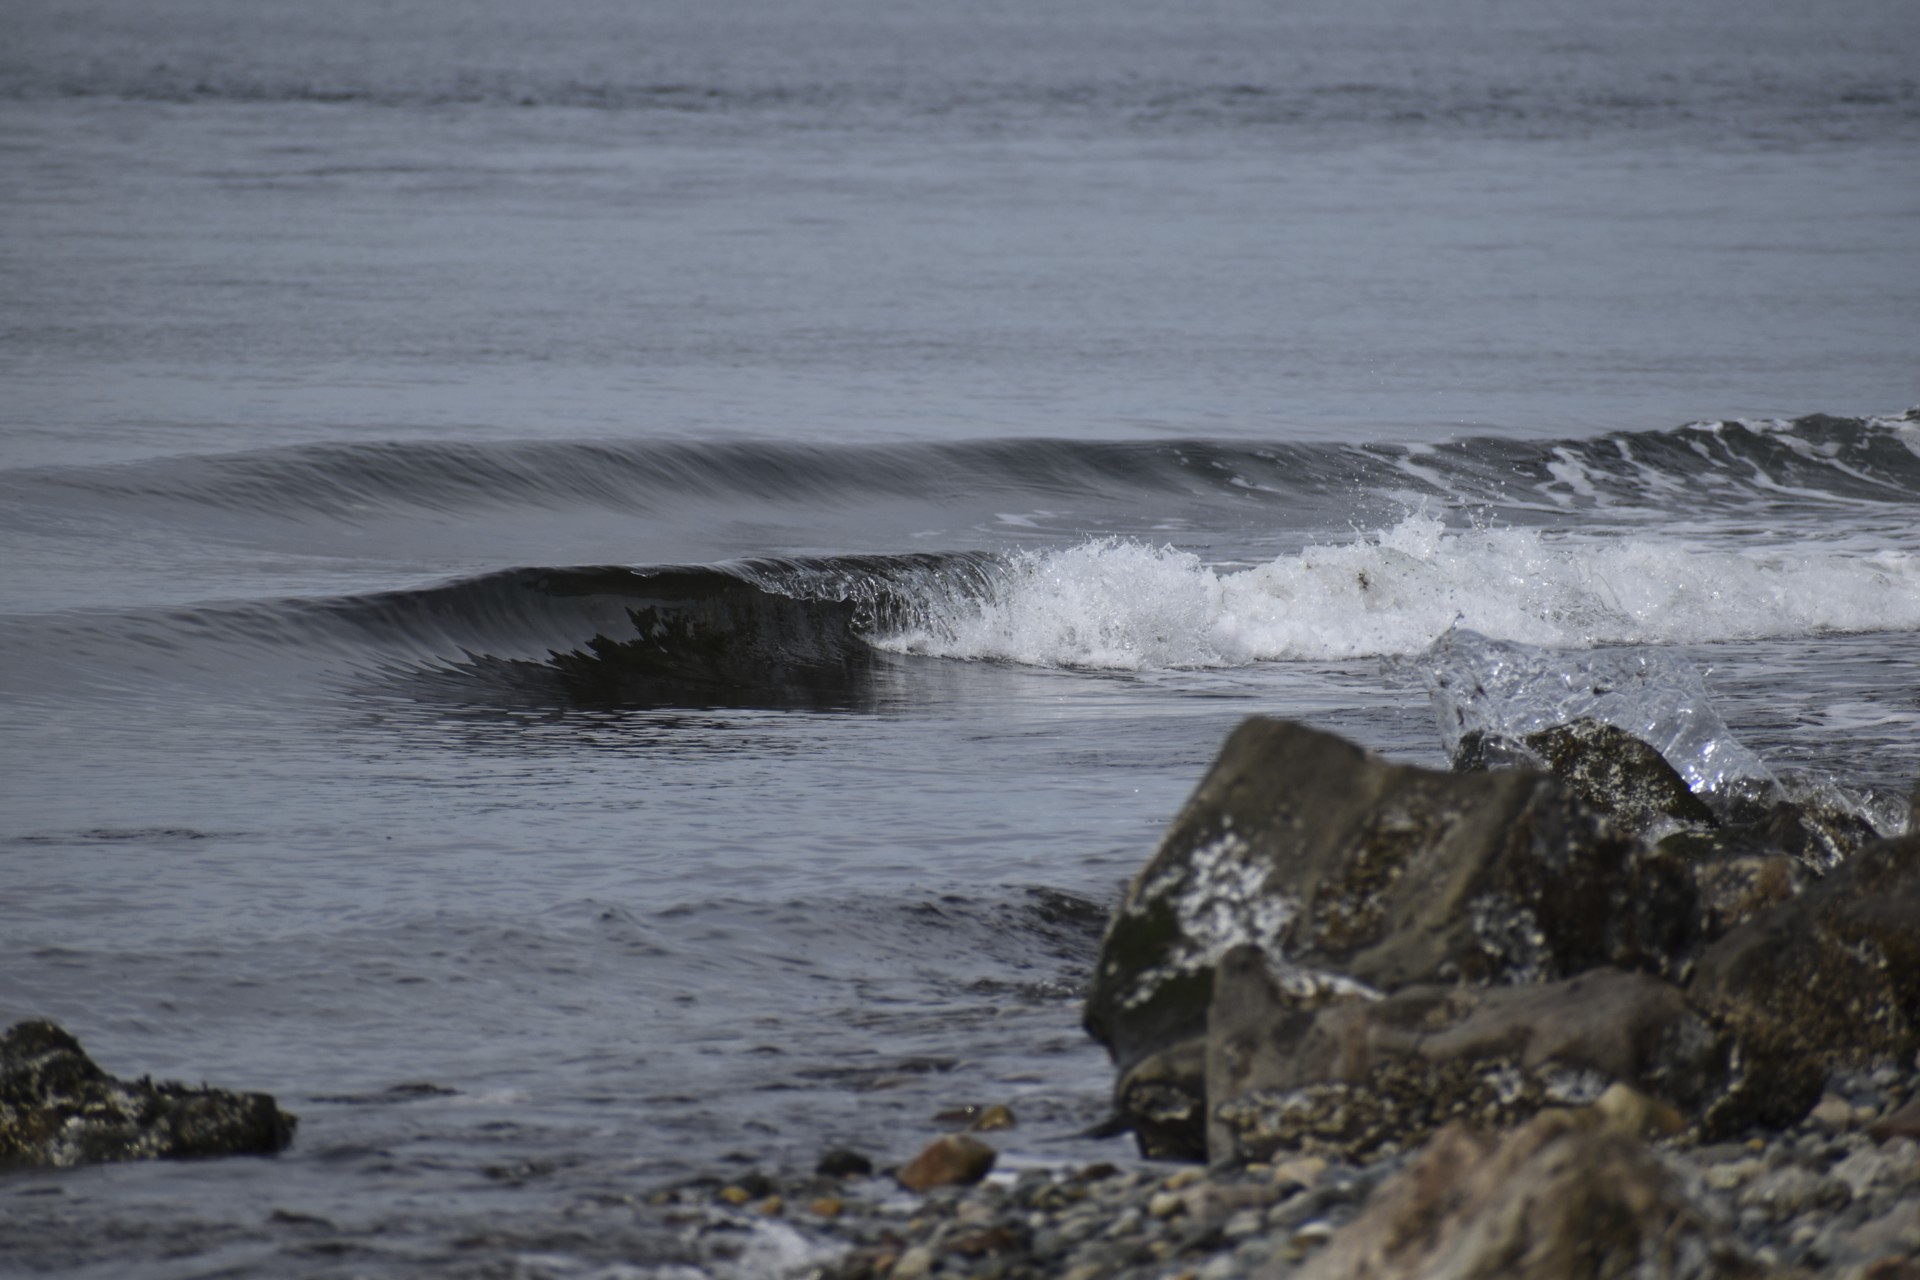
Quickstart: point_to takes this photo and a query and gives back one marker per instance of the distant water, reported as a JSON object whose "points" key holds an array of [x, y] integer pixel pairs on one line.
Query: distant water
{"points": [[655, 569]]}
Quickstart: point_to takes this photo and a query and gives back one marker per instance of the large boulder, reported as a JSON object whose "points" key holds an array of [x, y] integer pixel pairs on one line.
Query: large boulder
{"points": [[1364, 874], [58, 1108]]}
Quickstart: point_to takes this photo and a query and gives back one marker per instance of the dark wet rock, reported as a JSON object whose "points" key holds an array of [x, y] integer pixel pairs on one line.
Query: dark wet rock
{"points": [[1163, 1099], [1619, 774], [1818, 832], [1370, 874], [1562, 1198], [1609, 768], [58, 1108], [1356, 1077], [953, 1160], [842, 1162], [1479, 751], [1827, 980], [1630, 781]]}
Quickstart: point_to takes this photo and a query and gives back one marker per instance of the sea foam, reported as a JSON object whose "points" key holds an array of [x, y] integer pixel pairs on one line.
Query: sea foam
{"points": [[1125, 605]]}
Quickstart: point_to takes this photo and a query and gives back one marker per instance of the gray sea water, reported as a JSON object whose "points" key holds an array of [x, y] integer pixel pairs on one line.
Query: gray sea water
{"points": [[653, 567]]}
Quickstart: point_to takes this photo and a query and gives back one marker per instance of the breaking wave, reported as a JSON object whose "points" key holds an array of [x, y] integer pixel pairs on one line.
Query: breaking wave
{"points": [[1127, 605]]}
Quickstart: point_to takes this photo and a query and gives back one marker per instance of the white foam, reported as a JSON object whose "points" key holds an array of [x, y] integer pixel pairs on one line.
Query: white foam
{"points": [[1124, 605]]}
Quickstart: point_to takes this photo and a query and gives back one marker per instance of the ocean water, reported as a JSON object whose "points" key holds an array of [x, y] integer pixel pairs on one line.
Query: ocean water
{"points": [[606, 593]]}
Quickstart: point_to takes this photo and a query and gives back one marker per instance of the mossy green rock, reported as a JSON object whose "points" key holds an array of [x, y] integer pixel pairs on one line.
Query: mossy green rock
{"points": [[57, 1108]]}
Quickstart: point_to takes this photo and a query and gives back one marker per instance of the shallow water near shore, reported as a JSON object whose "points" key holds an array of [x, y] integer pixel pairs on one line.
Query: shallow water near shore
{"points": [[594, 603]]}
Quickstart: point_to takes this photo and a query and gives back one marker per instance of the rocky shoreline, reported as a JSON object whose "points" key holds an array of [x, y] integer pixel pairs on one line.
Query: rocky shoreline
{"points": [[1606, 998], [1837, 1194]]}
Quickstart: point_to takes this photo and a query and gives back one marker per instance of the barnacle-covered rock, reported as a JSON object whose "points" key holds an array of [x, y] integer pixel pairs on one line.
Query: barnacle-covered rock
{"points": [[1825, 980], [1606, 766], [58, 1108], [1732, 888], [1308, 847], [1357, 1078]]}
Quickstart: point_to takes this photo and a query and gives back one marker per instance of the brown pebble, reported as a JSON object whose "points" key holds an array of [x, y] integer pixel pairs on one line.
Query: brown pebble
{"points": [[1303, 1172], [826, 1207], [980, 1244], [1185, 1177], [735, 1195], [1832, 1112], [994, 1117], [954, 1160], [771, 1207]]}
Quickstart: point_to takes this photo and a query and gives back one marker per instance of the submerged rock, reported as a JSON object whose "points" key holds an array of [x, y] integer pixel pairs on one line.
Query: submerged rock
{"points": [[57, 1108]]}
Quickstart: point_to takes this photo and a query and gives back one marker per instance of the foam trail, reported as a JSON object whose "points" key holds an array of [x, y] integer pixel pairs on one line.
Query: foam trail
{"points": [[1123, 605]]}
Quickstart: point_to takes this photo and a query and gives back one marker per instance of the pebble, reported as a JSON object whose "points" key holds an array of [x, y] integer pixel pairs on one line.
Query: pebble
{"points": [[1734, 1173], [1833, 1112], [1245, 1223], [1303, 1172]]}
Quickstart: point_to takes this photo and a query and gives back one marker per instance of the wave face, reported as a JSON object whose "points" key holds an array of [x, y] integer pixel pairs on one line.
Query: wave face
{"points": [[1719, 532], [1726, 467], [585, 637]]}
